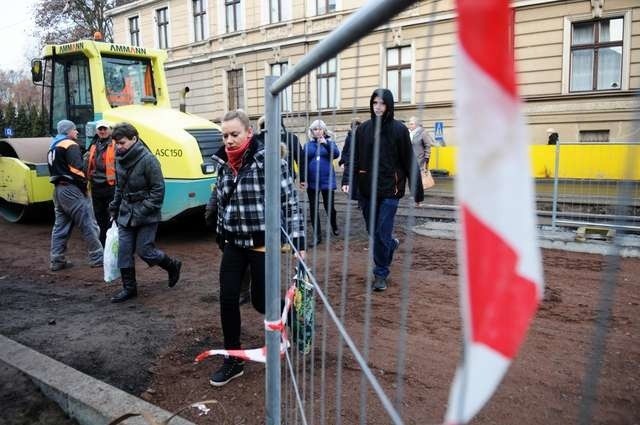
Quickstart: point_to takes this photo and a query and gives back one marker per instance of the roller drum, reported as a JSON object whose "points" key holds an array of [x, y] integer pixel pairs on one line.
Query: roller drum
{"points": [[24, 177]]}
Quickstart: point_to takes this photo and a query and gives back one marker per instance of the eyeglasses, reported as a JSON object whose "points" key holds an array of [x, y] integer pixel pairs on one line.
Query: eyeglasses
{"points": [[103, 128], [316, 129]]}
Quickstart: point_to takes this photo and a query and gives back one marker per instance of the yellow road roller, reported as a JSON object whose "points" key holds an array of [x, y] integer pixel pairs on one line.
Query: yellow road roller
{"points": [[89, 80]]}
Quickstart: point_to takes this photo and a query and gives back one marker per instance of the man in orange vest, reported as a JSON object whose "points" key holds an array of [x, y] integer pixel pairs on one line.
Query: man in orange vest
{"points": [[101, 174]]}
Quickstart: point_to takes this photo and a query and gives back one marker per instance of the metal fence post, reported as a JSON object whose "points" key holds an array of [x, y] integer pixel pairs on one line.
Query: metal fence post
{"points": [[272, 257], [554, 212]]}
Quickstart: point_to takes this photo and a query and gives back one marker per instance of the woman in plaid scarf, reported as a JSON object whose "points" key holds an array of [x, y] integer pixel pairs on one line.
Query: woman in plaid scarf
{"points": [[237, 207]]}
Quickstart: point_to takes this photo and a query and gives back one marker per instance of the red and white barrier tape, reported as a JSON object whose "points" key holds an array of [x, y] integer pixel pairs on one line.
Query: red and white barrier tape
{"points": [[260, 354]]}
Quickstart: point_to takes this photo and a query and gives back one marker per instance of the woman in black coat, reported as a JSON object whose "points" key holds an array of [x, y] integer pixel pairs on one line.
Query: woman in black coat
{"points": [[136, 208]]}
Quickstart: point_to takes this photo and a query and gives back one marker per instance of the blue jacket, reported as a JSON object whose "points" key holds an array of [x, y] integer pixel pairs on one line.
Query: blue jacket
{"points": [[319, 173]]}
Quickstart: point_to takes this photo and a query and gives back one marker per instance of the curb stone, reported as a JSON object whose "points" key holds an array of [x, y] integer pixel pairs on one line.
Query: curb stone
{"points": [[85, 399]]}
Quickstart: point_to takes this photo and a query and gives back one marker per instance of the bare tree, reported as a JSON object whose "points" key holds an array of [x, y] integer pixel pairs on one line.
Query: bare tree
{"points": [[64, 21], [17, 87]]}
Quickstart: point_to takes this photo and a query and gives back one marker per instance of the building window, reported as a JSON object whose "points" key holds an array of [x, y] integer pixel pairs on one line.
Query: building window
{"points": [[134, 31], [162, 23], [199, 12], [278, 69], [235, 89], [232, 13], [327, 79], [399, 73], [325, 6], [275, 11], [594, 136], [596, 55]]}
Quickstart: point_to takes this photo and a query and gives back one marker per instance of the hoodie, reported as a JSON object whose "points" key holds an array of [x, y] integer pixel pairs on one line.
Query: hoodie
{"points": [[396, 160]]}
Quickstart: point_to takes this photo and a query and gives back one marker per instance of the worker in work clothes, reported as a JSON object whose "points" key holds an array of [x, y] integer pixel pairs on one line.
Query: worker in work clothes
{"points": [[136, 208], [100, 167], [72, 205]]}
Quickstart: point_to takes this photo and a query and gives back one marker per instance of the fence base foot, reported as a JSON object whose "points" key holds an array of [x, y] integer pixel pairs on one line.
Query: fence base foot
{"points": [[587, 232]]}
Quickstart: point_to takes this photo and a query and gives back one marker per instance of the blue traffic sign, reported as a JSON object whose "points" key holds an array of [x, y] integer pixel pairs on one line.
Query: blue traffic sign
{"points": [[8, 132], [438, 131]]}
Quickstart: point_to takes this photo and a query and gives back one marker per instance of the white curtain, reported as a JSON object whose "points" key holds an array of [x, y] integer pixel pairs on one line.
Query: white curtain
{"points": [[611, 30], [582, 34], [609, 68], [581, 70]]}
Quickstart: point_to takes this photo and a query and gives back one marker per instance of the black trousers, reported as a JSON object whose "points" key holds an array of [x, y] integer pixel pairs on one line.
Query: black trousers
{"points": [[329, 207], [101, 197], [235, 261]]}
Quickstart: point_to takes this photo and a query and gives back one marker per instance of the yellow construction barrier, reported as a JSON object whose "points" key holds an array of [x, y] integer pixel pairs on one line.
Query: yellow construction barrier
{"points": [[603, 161]]}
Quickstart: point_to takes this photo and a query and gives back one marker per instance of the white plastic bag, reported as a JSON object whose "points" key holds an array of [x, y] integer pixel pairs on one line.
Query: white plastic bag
{"points": [[110, 266]]}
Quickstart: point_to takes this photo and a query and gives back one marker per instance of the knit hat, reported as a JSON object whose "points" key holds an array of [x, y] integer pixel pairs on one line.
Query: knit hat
{"points": [[65, 126]]}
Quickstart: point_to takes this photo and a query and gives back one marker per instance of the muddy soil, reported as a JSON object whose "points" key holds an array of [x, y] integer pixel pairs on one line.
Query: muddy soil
{"points": [[147, 346]]}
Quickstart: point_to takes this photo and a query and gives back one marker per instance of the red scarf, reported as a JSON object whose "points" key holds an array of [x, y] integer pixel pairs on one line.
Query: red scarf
{"points": [[234, 156]]}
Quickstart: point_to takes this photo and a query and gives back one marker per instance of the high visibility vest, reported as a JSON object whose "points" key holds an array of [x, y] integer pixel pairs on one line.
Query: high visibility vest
{"points": [[109, 158]]}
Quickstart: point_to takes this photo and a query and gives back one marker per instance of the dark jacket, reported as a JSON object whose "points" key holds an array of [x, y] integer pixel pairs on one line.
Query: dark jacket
{"points": [[318, 157], [65, 162], [238, 201], [346, 149], [139, 187], [396, 161], [294, 150]]}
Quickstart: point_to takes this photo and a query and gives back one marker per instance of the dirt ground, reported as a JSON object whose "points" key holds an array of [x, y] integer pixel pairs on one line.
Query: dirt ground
{"points": [[147, 346]]}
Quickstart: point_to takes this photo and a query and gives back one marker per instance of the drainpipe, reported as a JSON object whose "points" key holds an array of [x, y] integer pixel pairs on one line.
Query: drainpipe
{"points": [[183, 95]]}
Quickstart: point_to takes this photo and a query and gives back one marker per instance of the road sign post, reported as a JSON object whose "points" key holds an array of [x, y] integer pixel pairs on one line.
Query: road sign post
{"points": [[438, 131]]}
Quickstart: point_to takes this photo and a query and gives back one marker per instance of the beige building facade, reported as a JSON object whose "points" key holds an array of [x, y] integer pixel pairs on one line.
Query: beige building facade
{"points": [[578, 61]]}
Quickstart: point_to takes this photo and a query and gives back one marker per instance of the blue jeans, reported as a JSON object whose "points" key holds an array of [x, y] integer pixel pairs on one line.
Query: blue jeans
{"points": [[383, 243]]}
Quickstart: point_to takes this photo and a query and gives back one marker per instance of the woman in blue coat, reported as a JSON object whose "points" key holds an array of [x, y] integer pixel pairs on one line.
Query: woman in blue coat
{"points": [[319, 177]]}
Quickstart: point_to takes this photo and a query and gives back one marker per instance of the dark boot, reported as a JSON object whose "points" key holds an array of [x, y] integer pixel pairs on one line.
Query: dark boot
{"points": [[172, 266], [129, 286]]}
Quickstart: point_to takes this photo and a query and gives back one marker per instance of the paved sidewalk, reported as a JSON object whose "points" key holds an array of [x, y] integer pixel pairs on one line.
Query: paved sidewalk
{"points": [[563, 239]]}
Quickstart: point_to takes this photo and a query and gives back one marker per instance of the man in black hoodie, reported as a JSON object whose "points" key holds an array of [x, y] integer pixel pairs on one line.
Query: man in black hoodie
{"points": [[383, 163]]}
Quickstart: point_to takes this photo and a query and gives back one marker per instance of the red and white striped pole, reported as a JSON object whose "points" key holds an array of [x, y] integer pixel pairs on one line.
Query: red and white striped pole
{"points": [[500, 268]]}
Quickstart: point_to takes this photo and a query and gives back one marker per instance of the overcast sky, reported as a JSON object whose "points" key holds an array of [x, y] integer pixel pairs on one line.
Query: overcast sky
{"points": [[17, 47]]}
